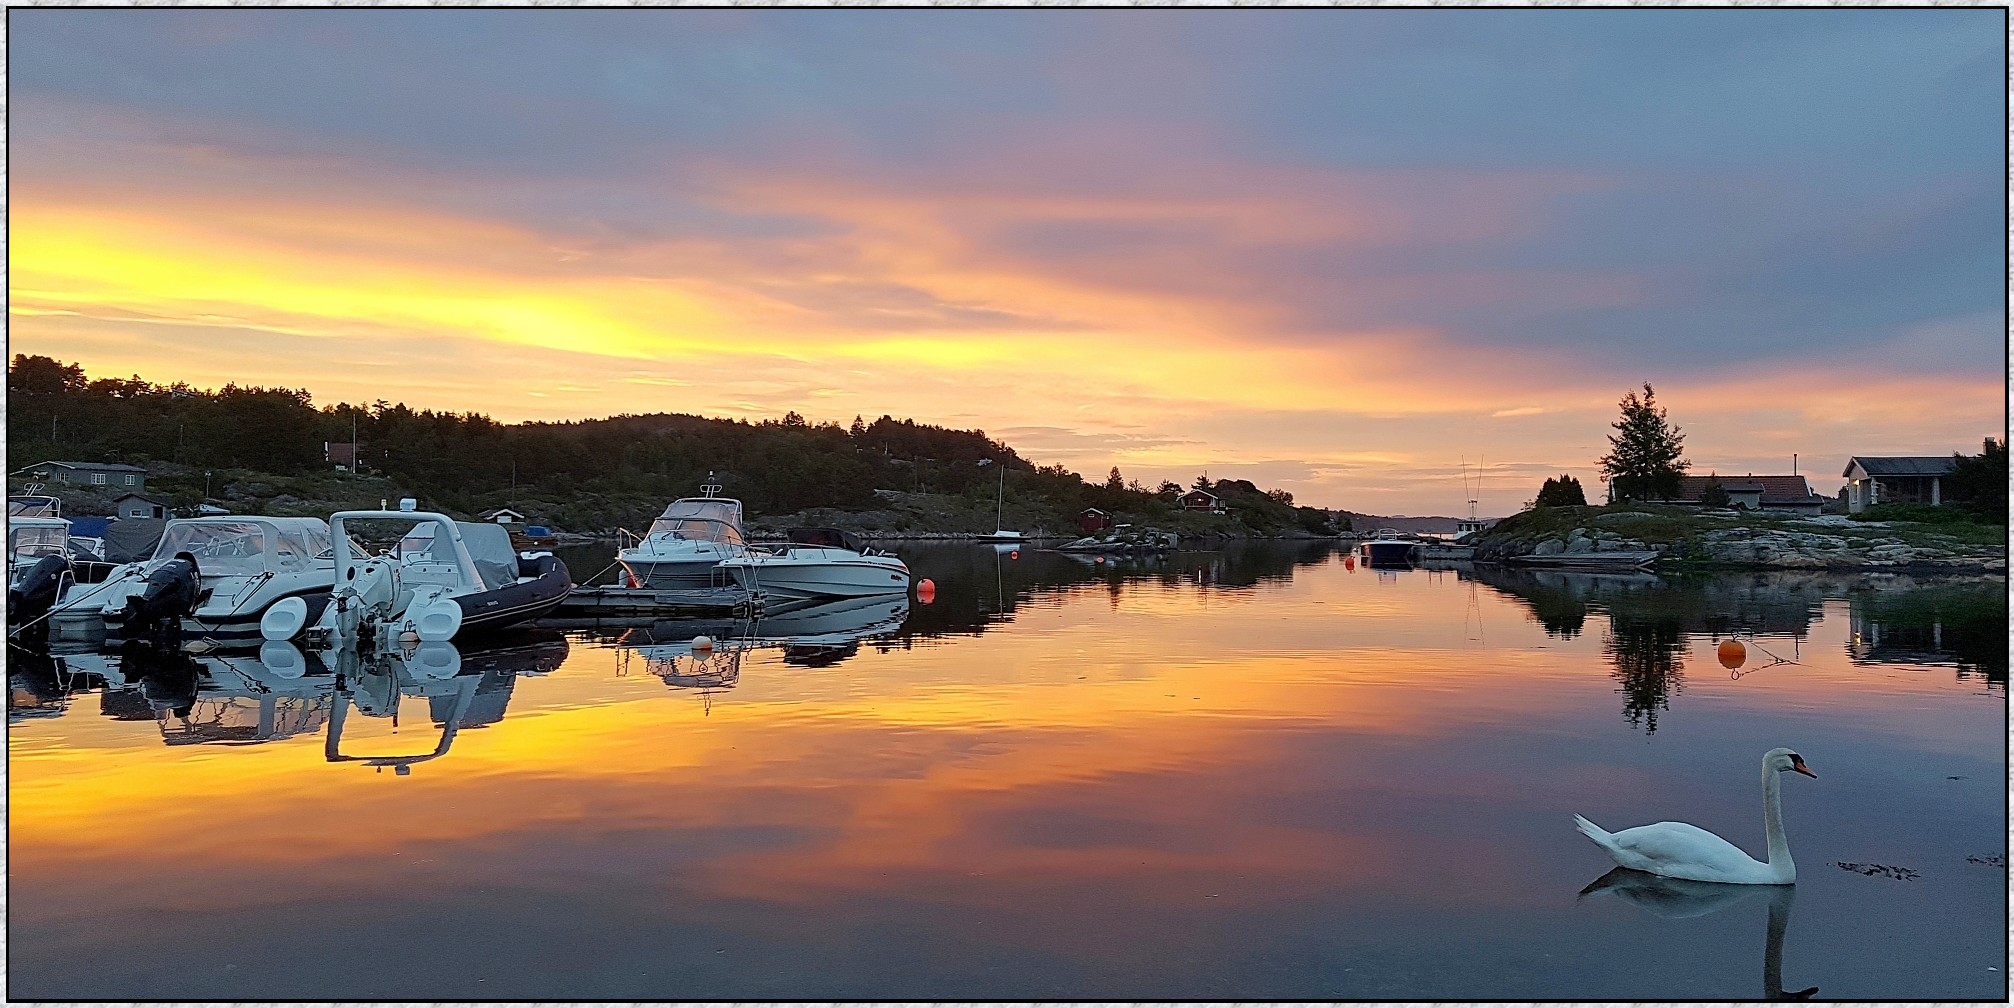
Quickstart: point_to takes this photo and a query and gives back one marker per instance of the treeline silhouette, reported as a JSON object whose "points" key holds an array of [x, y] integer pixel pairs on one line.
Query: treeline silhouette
{"points": [[584, 475]]}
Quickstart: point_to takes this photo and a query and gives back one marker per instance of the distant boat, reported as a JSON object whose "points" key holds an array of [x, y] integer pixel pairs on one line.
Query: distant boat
{"points": [[1000, 512], [1388, 549]]}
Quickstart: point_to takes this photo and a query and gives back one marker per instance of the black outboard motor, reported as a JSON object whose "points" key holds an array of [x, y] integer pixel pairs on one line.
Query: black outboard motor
{"points": [[30, 597], [156, 611], [169, 679]]}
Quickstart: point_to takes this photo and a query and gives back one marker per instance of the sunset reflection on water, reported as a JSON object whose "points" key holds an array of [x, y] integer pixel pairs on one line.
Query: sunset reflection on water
{"points": [[1253, 774]]}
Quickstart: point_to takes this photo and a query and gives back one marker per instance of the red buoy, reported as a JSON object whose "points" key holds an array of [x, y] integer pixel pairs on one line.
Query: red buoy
{"points": [[926, 591]]}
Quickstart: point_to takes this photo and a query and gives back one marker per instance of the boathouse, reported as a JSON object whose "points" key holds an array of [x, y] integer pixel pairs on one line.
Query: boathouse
{"points": [[1094, 520]]}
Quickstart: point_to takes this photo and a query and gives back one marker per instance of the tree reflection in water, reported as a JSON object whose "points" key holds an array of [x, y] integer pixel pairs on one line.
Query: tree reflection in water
{"points": [[1646, 655]]}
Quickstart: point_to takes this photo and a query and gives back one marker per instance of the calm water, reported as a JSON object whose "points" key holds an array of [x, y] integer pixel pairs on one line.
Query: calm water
{"points": [[1256, 774]]}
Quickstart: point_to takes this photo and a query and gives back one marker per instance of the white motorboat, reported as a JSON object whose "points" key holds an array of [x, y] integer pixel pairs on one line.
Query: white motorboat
{"points": [[445, 580], [817, 564], [44, 560], [212, 578], [687, 542]]}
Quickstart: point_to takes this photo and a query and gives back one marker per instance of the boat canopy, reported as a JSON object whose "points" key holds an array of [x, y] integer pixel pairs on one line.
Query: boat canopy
{"points": [[34, 506], [711, 519], [248, 545], [488, 544], [30, 539], [831, 538]]}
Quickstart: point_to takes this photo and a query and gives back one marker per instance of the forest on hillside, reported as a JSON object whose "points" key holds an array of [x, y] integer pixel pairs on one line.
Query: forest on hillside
{"points": [[257, 448]]}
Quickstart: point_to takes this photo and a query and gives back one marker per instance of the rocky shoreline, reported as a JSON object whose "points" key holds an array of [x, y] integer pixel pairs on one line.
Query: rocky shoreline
{"points": [[1735, 539]]}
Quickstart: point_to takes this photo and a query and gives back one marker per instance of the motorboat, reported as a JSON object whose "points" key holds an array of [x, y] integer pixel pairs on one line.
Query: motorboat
{"points": [[1389, 549], [687, 542], [817, 564], [444, 580], [44, 560], [211, 578]]}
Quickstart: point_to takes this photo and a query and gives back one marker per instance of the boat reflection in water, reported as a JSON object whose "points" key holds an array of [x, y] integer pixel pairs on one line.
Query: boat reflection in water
{"points": [[462, 689], [1678, 899], [706, 655], [281, 691]]}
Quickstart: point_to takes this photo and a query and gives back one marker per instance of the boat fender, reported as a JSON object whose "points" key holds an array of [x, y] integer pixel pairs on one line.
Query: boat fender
{"points": [[284, 619], [281, 659], [435, 660], [437, 620]]}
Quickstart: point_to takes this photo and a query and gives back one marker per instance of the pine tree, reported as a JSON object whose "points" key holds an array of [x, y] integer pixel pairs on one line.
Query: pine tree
{"points": [[1115, 481], [1648, 456], [1562, 492]]}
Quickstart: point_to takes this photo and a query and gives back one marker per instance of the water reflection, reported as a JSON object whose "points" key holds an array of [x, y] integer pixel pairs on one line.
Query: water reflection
{"points": [[1653, 622], [1678, 899], [981, 587], [706, 655], [1961, 624]]}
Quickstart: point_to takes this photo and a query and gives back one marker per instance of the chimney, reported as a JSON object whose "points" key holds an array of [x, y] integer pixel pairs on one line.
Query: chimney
{"points": [[1989, 446]]}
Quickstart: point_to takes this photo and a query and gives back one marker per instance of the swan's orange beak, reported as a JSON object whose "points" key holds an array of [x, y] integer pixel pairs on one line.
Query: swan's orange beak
{"points": [[1798, 765]]}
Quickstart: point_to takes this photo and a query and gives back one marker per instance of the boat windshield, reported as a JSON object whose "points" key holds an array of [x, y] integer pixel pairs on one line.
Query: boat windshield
{"points": [[706, 520], [33, 542], [248, 547]]}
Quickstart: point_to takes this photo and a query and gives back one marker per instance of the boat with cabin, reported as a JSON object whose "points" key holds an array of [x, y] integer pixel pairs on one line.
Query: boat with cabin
{"points": [[686, 543]]}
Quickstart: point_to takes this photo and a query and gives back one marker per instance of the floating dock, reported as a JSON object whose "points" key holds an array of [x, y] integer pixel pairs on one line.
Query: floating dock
{"points": [[610, 601], [1618, 560]]}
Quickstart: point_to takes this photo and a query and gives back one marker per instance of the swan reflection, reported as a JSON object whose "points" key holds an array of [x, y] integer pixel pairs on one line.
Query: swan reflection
{"points": [[1679, 899]]}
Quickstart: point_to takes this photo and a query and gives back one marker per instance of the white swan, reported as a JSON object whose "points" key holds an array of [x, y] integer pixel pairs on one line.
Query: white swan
{"points": [[1682, 850]]}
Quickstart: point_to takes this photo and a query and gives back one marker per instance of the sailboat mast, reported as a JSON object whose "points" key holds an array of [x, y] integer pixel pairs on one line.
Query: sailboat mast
{"points": [[1000, 499]]}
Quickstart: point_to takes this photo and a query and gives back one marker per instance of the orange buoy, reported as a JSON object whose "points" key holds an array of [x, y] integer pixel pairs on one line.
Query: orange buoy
{"points": [[1349, 563], [1732, 653], [926, 591], [1013, 554]]}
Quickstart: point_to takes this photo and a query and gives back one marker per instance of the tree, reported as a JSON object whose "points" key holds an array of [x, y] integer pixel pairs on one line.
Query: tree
{"points": [[1714, 495], [1115, 481], [1562, 492], [1978, 483], [858, 430], [1648, 454], [1169, 488], [1202, 482]]}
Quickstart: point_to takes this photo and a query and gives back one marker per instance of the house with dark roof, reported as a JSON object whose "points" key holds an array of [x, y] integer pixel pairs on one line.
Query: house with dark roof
{"points": [[1754, 493], [108, 476], [1895, 479], [1202, 500]]}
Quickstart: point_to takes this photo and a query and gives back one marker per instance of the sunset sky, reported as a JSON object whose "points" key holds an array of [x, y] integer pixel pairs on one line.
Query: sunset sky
{"points": [[1335, 251]]}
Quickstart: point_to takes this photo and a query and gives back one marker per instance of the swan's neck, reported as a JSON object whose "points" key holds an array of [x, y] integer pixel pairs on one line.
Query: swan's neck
{"points": [[1772, 824]]}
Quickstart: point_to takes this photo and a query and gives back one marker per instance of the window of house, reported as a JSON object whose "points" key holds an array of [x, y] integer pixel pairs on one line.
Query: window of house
{"points": [[132, 479], [98, 478]]}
